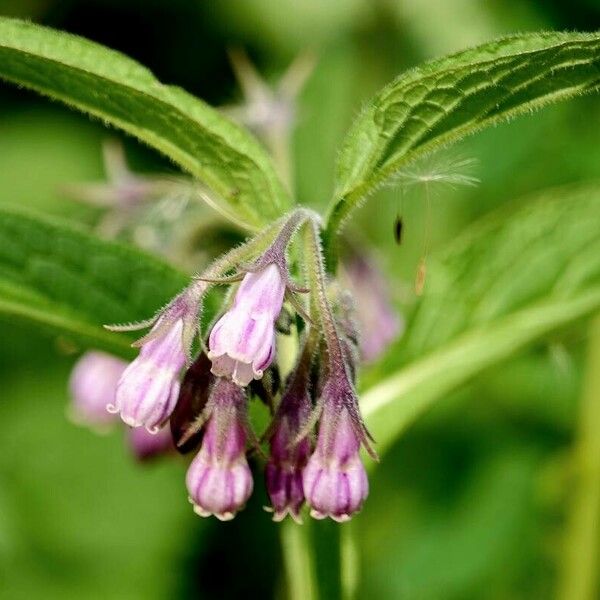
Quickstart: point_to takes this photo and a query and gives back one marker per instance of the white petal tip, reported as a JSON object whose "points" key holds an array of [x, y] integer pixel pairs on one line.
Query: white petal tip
{"points": [[200, 511], [226, 516], [130, 421], [279, 516], [341, 518]]}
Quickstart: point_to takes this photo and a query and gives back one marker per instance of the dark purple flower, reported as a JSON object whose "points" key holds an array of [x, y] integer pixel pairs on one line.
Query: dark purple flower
{"points": [[193, 398], [289, 455], [92, 385], [219, 480], [334, 480], [242, 343]]}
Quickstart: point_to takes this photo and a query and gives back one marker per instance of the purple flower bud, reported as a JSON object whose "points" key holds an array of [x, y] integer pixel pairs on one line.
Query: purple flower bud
{"points": [[193, 398], [148, 389], [289, 455], [145, 445], [219, 480], [93, 384], [335, 481], [379, 325], [242, 343]]}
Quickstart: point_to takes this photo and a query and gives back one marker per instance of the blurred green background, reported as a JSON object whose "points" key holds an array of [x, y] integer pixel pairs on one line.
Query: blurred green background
{"points": [[471, 502]]}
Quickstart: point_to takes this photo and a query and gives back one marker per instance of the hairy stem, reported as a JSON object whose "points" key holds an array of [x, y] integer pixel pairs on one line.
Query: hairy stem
{"points": [[321, 309]]}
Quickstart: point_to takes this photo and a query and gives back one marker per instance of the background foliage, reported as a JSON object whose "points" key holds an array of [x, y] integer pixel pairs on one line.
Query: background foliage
{"points": [[473, 500]]}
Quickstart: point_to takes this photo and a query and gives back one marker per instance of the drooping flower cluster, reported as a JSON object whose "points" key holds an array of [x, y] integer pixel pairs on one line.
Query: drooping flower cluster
{"points": [[206, 407]]}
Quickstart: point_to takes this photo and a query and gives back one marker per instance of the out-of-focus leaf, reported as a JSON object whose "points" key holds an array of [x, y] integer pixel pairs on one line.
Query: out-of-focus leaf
{"points": [[111, 86], [288, 26], [480, 540], [35, 167], [450, 98], [72, 282], [510, 280], [79, 517]]}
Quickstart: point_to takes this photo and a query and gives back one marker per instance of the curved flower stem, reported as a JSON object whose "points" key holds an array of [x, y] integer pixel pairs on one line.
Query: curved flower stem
{"points": [[320, 308], [322, 313], [260, 242], [298, 561], [579, 580]]}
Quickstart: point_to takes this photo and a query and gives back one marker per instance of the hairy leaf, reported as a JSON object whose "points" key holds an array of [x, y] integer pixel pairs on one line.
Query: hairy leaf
{"points": [[111, 86], [511, 279], [447, 99], [65, 279]]}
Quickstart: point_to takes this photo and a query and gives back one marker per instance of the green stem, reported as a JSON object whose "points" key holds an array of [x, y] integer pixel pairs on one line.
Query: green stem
{"points": [[580, 568], [349, 561], [297, 558], [296, 544]]}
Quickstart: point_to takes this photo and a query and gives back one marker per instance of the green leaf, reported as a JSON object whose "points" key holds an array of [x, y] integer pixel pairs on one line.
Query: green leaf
{"points": [[66, 280], [111, 86], [510, 280], [447, 99]]}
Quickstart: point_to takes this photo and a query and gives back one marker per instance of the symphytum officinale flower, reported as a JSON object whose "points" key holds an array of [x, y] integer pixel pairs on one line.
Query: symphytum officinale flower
{"points": [[92, 385], [242, 343], [219, 480], [193, 397], [148, 389], [290, 445], [335, 481]]}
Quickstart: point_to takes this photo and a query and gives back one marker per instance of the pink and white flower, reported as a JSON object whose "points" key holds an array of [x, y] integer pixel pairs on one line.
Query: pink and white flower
{"points": [[92, 385], [148, 389], [242, 343], [219, 480], [334, 480]]}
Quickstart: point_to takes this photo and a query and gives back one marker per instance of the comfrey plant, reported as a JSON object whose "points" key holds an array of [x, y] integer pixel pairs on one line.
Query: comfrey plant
{"points": [[287, 282], [242, 348]]}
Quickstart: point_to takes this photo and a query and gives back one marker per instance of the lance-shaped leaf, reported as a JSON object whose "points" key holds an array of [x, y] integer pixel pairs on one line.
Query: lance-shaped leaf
{"points": [[106, 84], [510, 280], [70, 282], [447, 99]]}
